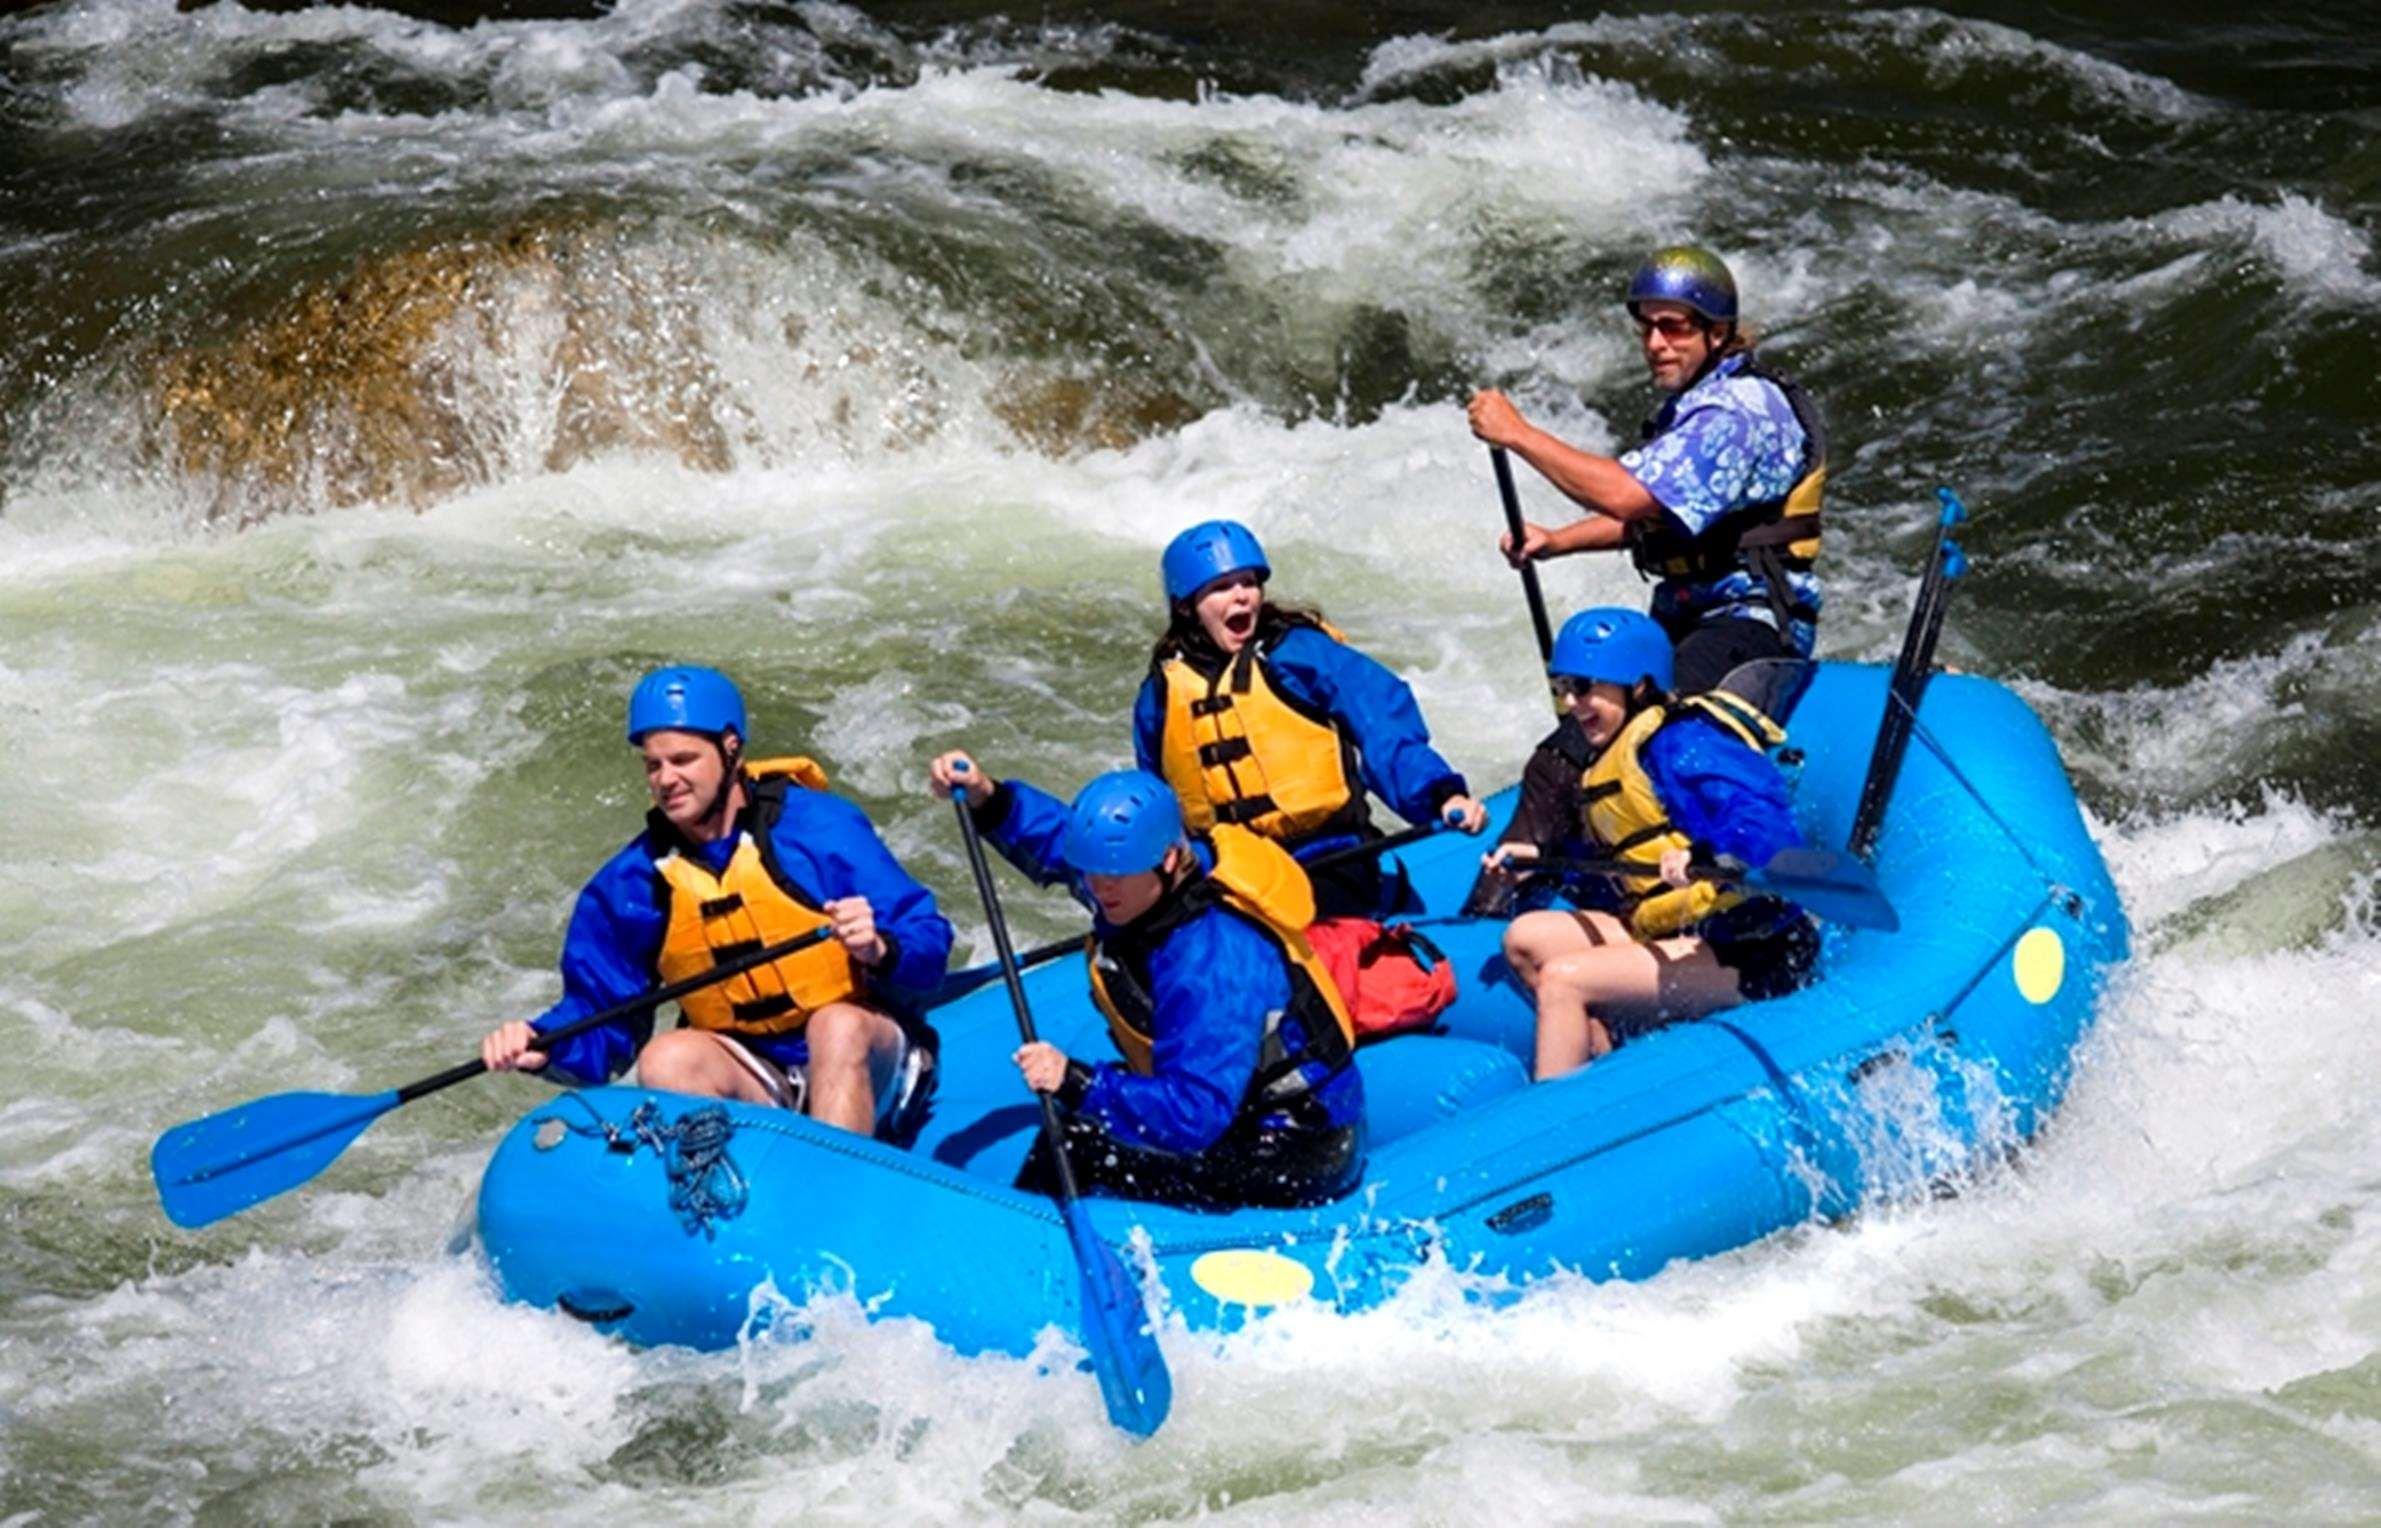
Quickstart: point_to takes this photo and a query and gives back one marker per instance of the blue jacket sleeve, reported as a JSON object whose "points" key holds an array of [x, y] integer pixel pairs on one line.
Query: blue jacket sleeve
{"points": [[1028, 826], [1376, 706], [1214, 982], [832, 850], [1720, 793], [1149, 718], [608, 956]]}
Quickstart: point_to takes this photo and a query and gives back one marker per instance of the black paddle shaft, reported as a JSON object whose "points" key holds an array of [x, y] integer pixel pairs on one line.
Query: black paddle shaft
{"points": [[962, 983], [629, 1009], [1903, 691], [1529, 570], [1724, 871], [1053, 1132]]}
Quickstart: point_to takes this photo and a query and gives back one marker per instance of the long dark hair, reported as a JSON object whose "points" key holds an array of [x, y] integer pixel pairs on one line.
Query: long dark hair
{"points": [[1186, 636]]}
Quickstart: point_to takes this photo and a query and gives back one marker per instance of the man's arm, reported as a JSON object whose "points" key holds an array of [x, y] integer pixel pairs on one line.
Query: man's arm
{"points": [[1599, 484], [854, 861], [1596, 483], [608, 957]]}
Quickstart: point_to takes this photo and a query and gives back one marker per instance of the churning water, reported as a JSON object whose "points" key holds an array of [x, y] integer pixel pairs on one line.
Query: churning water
{"points": [[381, 391]]}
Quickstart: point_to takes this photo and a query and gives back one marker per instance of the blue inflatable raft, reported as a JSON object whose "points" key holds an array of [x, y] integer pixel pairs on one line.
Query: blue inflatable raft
{"points": [[1915, 1053]]}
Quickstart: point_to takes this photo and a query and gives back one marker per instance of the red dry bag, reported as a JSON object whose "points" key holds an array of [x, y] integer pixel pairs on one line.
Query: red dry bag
{"points": [[1391, 978]]}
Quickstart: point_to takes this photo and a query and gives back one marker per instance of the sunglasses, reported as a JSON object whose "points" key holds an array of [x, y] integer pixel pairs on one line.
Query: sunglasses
{"points": [[1671, 326]]}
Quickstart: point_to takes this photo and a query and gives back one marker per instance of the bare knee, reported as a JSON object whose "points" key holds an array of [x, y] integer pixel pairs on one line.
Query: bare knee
{"points": [[1532, 939], [840, 1034], [677, 1062]]}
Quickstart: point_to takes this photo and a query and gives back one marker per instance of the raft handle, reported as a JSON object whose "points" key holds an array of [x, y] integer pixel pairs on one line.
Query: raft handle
{"points": [[595, 1306], [1523, 1215], [1864, 1070]]}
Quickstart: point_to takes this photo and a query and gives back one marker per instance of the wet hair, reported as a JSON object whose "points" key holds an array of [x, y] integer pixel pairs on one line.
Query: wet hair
{"points": [[1186, 635]]}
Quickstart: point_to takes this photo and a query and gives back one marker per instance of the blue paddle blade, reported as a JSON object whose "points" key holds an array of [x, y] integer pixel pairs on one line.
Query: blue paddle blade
{"points": [[217, 1166], [1832, 886], [1119, 1333]]}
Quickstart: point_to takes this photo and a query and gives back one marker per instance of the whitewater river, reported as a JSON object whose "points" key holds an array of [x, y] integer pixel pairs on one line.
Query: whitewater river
{"points": [[381, 392]]}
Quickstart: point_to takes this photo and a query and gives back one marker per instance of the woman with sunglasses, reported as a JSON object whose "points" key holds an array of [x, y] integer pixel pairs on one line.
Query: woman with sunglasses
{"points": [[1661, 784], [1720, 500]]}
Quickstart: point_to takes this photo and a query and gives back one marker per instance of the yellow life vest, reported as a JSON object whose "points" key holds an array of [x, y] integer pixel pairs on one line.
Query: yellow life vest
{"points": [[1238, 750], [1626, 819], [1257, 879], [712, 919]]}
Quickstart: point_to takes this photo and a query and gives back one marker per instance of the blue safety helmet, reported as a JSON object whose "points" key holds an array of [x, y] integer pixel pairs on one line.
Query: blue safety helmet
{"points": [[685, 699], [1612, 644], [1209, 551], [1687, 274], [1122, 823]]}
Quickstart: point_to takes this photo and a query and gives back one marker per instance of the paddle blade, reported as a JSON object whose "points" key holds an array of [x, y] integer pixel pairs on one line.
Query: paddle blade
{"points": [[217, 1166], [1118, 1331], [1832, 886]]}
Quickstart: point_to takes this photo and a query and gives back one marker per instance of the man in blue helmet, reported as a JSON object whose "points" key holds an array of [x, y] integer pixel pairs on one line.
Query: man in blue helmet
{"points": [[1720, 500], [1261, 715], [736, 855], [1236, 1085]]}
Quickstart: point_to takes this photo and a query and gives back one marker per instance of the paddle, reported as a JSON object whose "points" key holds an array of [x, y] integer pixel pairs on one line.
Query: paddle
{"points": [[220, 1165], [1116, 1326], [960, 983], [1834, 886], [1529, 570], [1910, 673]]}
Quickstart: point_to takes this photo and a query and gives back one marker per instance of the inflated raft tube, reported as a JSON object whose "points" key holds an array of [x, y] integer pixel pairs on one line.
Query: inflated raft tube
{"points": [[674, 1220]]}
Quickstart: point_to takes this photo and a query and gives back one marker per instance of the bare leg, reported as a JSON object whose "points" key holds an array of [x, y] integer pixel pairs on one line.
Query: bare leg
{"points": [[1579, 992], [1542, 942], [697, 1062], [1533, 939], [853, 1051]]}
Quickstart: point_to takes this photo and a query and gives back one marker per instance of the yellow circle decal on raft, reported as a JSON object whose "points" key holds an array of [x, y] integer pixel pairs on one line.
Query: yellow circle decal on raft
{"points": [[2040, 963], [1244, 1276]]}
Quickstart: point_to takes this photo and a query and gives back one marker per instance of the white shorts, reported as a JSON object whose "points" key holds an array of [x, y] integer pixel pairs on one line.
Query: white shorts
{"points": [[789, 1088]]}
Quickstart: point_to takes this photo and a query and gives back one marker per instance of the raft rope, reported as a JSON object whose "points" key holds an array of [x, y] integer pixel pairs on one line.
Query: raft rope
{"points": [[2058, 890], [705, 1183]]}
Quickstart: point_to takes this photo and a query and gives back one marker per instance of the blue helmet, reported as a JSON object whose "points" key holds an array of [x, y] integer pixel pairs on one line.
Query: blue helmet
{"points": [[1612, 644], [683, 699], [1207, 552], [1122, 823], [1688, 274]]}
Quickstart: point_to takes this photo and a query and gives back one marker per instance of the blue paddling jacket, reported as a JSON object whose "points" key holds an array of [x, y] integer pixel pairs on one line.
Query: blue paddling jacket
{"points": [[823, 849], [1215, 982]]}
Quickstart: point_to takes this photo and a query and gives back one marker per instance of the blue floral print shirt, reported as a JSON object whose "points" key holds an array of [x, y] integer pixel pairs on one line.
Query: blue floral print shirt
{"points": [[1727, 442]]}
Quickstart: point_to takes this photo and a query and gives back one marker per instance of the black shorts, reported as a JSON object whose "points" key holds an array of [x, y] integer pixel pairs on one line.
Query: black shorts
{"points": [[1253, 1164], [1706, 652], [1771, 946]]}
